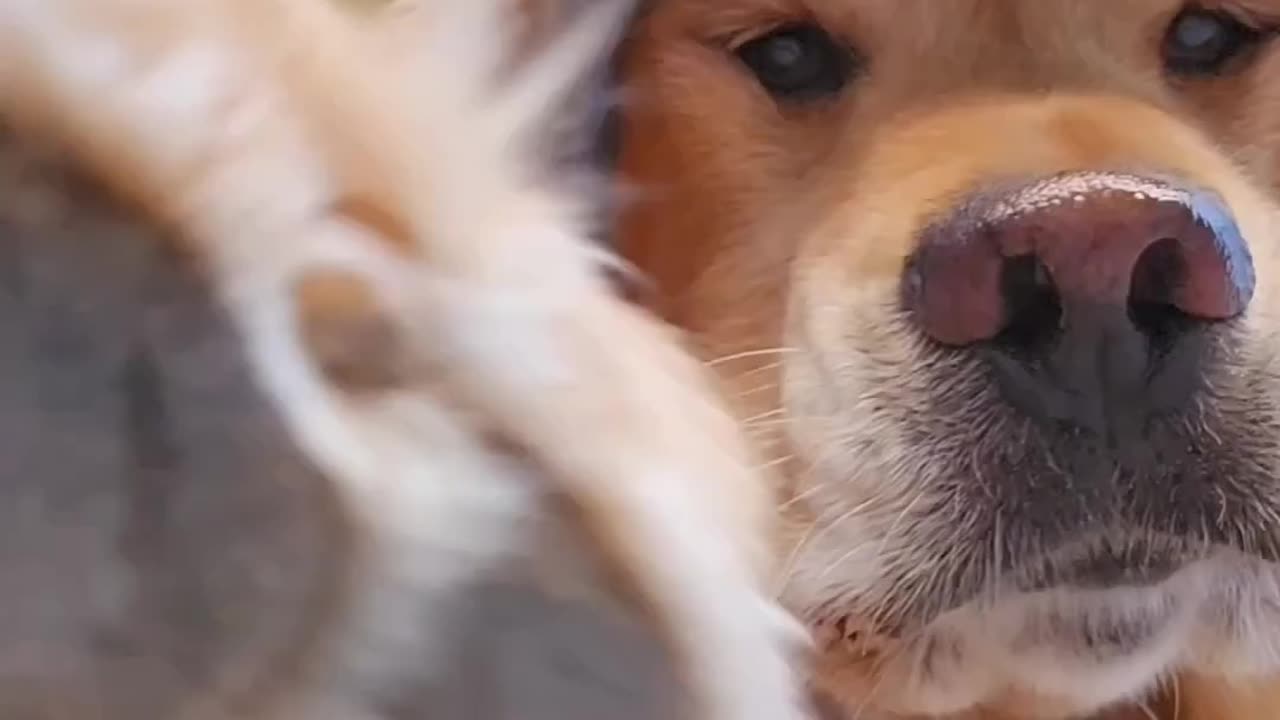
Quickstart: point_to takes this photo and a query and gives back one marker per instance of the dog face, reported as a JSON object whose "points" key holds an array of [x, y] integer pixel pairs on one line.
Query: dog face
{"points": [[995, 283]]}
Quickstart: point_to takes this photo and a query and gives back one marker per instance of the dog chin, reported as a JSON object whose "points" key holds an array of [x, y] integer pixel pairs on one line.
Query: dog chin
{"points": [[1072, 652]]}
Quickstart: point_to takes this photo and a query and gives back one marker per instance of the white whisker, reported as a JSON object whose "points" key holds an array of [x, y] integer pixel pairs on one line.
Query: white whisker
{"points": [[766, 352]]}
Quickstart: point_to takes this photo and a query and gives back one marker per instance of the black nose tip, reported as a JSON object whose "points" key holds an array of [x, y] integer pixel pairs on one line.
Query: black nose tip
{"points": [[1093, 277]]}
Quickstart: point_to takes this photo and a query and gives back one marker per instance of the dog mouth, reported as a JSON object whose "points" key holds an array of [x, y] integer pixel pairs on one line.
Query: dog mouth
{"points": [[1100, 565]]}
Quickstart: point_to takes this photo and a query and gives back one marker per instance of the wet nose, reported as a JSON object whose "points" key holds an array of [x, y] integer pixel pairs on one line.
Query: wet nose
{"points": [[1091, 279]]}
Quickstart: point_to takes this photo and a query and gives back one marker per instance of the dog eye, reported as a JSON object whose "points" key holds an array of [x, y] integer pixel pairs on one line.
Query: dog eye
{"points": [[798, 62], [1202, 42]]}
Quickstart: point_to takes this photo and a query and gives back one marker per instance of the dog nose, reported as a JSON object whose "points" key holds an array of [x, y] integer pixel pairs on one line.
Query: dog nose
{"points": [[1093, 273]]}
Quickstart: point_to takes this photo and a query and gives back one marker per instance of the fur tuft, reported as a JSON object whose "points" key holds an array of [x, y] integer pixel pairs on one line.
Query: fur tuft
{"points": [[273, 136]]}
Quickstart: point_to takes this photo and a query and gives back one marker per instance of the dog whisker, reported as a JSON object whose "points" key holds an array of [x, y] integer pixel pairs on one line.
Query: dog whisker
{"points": [[775, 462], [776, 412], [800, 497], [756, 390], [749, 354]]}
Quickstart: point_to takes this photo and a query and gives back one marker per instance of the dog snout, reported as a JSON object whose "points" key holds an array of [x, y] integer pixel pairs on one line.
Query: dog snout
{"points": [[1084, 286]]}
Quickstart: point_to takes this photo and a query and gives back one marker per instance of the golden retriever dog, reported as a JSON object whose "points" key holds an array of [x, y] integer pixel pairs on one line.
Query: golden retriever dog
{"points": [[996, 286], [290, 348]]}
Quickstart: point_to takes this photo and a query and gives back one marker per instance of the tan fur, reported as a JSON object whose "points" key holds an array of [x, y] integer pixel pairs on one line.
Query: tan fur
{"points": [[777, 237], [331, 204]]}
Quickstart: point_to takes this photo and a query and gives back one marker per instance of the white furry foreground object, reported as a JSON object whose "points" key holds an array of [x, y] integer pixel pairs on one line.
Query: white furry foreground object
{"points": [[409, 300]]}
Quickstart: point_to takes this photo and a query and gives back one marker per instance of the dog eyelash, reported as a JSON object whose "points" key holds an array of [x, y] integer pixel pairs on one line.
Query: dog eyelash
{"points": [[1260, 20], [735, 38]]}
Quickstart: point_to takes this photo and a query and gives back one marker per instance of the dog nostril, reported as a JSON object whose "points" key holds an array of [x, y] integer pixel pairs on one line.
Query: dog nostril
{"points": [[1161, 270], [1032, 308]]}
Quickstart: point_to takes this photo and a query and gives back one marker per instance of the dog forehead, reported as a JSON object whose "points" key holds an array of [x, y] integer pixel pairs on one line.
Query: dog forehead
{"points": [[934, 47]]}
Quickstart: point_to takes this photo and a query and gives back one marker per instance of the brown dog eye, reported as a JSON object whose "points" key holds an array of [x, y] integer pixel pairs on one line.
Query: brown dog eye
{"points": [[798, 62], [1204, 42]]}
